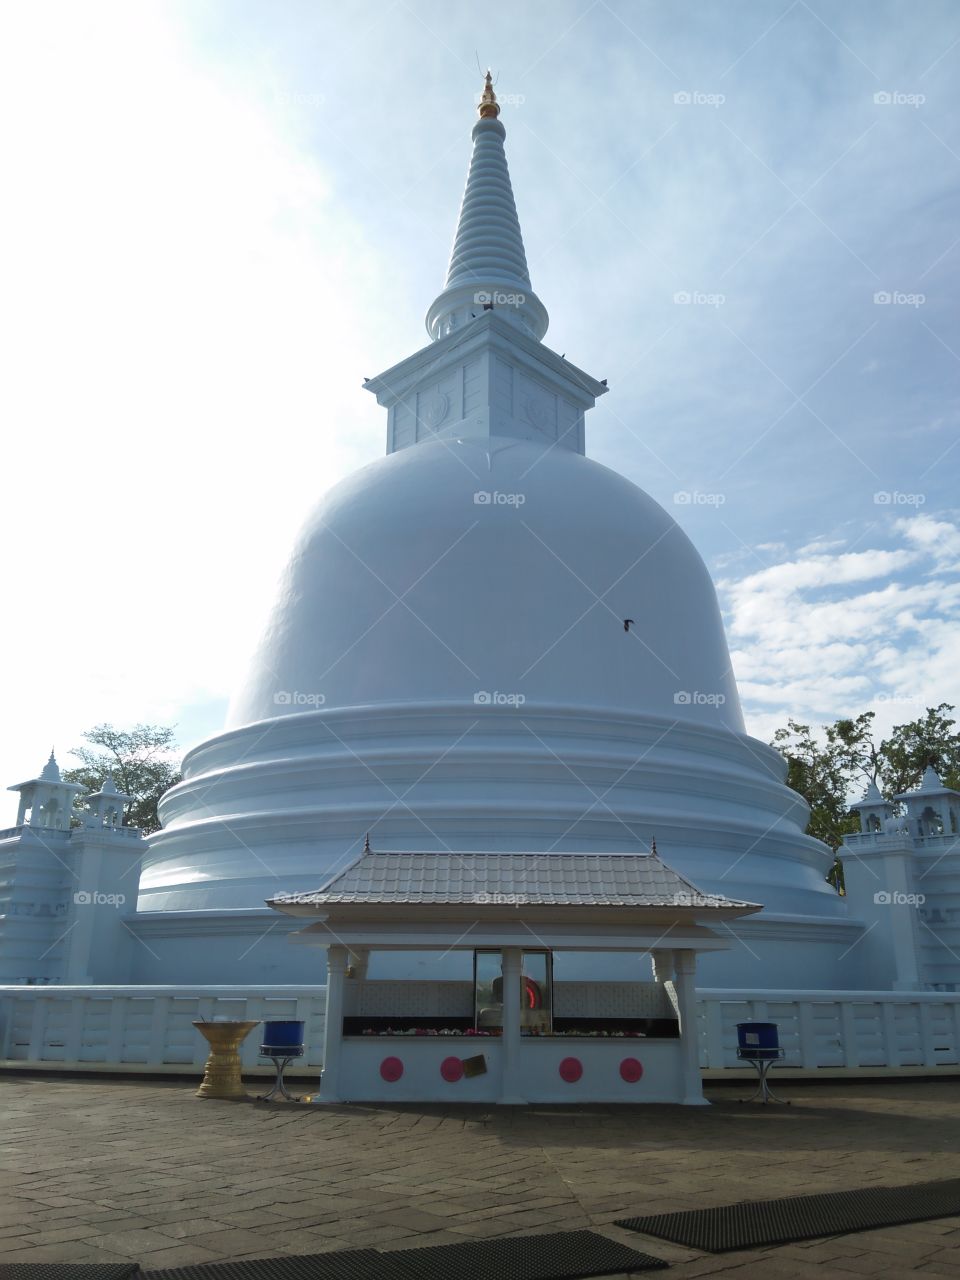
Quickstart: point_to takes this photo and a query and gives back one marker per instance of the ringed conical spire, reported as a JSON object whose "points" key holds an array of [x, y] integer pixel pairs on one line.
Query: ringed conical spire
{"points": [[488, 265]]}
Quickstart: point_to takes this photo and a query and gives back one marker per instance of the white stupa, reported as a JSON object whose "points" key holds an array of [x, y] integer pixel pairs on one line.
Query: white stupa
{"points": [[487, 641]]}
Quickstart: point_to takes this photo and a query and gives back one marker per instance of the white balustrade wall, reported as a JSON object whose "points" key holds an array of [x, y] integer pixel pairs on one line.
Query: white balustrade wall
{"points": [[146, 1028], [149, 1029], [837, 1030]]}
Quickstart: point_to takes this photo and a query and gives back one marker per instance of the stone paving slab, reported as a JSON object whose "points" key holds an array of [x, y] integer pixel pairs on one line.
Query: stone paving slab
{"points": [[109, 1170]]}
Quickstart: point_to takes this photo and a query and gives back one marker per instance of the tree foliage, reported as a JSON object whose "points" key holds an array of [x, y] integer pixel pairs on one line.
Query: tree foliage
{"points": [[831, 769], [931, 739], [142, 761]]}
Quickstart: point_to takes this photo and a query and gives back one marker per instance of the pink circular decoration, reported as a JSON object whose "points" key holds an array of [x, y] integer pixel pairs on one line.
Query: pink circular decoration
{"points": [[571, 1069], [631, 1069], [452, 1070], [391, 1069]]}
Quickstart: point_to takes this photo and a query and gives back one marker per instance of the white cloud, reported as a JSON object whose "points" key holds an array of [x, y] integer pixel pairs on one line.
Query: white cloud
{"points": [[939, 538], [821, 544], [822, 570], [804, 647]]}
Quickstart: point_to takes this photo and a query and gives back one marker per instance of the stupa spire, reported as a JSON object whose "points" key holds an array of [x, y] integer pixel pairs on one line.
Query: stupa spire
{"points": [[488, 265], [488, 99]]}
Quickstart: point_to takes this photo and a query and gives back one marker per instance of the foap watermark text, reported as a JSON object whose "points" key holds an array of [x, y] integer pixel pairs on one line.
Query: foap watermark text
{"points": [[694, 498], [498, 298], [697, 98], [486, 498], [897, 298], [894, 498], [897, 98], [496, 699], [694, 698], [85, 898], [686, 298], [293, 698]]}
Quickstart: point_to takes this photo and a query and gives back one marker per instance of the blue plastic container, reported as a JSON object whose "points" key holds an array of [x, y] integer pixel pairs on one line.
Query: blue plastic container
{"points": [[758, 1040], [282, 1039]]}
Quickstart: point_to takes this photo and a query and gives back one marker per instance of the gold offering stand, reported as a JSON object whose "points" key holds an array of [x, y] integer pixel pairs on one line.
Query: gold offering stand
{"points": [[221, 1076]]}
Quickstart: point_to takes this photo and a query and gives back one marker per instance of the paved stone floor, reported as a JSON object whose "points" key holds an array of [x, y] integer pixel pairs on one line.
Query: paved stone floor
{"points": [[96, 1169]]}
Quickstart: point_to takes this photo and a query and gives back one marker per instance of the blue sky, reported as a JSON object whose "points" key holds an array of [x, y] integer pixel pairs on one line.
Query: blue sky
{"points": [[227, 215]]}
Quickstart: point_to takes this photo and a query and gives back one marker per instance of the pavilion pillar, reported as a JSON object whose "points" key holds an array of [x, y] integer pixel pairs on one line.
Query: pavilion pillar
{"points": [[685, 986], [511, 1089], [663, 967], [333, 1025]]}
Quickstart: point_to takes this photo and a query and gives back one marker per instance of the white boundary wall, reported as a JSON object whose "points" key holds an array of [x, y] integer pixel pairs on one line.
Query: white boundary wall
{"points": [[149, 1028], [837, 1032]]}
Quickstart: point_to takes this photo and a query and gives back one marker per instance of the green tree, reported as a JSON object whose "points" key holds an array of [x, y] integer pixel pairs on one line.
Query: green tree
{"points": [[820, 773], [142, 761], [852, 744], [830, 771], [930, 739]]}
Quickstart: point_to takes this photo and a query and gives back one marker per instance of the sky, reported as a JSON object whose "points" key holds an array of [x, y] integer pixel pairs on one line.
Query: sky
{"points": [[220, 217]]}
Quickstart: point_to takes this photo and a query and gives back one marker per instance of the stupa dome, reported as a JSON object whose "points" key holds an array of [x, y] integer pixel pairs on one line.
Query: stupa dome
{"points": [[462, 568]]}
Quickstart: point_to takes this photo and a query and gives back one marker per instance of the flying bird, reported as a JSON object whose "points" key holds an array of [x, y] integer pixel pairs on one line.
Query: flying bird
{"points": [[626, 623]]}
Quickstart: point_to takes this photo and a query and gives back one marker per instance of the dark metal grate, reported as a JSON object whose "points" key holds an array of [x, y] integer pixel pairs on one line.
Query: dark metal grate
{"points": [[562, 1255], [343, 1264], [764, 1222], [69, 1270]]}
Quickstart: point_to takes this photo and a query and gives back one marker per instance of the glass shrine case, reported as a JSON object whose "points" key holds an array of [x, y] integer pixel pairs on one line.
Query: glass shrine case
{"points": [[536, 995]]}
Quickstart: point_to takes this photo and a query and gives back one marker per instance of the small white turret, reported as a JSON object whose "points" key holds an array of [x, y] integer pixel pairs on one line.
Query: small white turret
{"points": [[876, 814], [105, 807], [933, 809], [48, 798]]}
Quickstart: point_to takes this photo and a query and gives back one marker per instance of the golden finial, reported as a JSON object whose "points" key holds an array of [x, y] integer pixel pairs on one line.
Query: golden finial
{"points": [[489, 107]]}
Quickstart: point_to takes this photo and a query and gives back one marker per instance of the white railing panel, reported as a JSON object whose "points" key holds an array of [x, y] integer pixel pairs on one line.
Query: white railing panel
{"points": [[944, 1032], [144, 1027], [850, 1030], [151, 1028]]}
